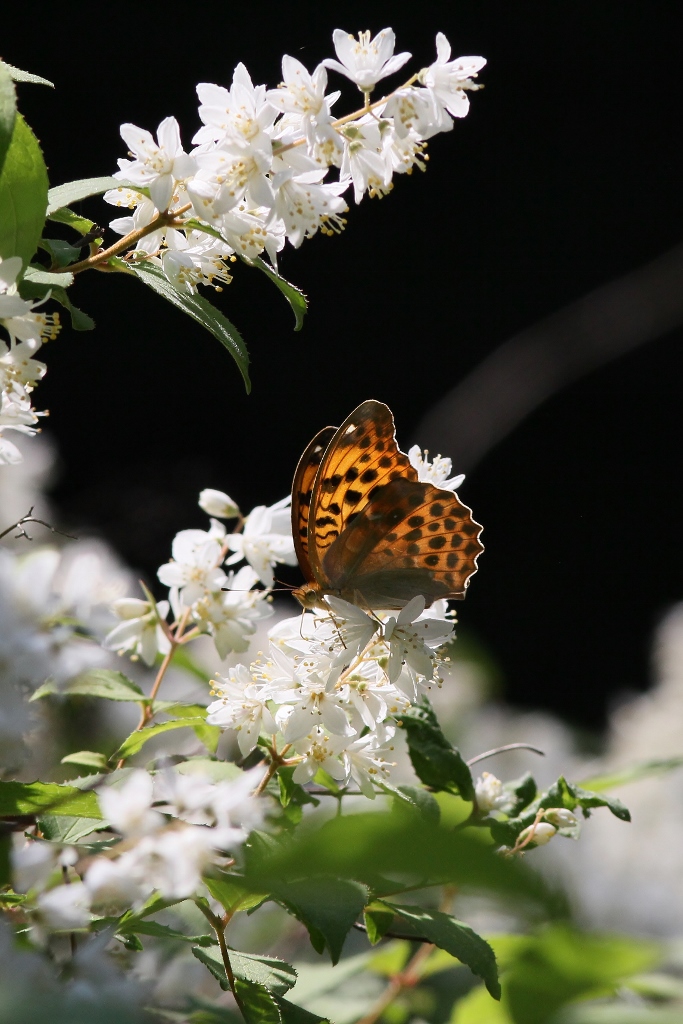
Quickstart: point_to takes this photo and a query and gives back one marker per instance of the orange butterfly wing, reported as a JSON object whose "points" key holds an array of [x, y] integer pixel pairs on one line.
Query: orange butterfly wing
{"points": [[367, 529], [302, 490], [360, 459]]}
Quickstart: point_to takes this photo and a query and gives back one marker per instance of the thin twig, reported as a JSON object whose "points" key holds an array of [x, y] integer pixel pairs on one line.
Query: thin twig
{"points": [[219, 925], [166, 218], [501, 750], [30, 518]]}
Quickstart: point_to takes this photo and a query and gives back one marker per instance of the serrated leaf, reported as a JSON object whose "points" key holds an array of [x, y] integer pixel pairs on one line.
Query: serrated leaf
{"points": [[74, 220], [295, 297], [418, 799], [328, 907], [67, 828], [134, 743], [60, 252], [437, 763], [378, 920], [232, 894], [523, 791], [104, 683], [87, 758], [163, 931], [25, 76], [270, 972], [201, 310], [19, 798], [23, 194], [456, 937], [48, 278], [363, 845], [74, 191], [257, 1004], [8, 110]]}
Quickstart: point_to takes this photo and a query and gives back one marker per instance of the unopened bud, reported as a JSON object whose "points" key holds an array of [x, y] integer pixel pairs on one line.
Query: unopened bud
{"points": [[130, 607], [560, 817], [539, 834], [217, 503]]}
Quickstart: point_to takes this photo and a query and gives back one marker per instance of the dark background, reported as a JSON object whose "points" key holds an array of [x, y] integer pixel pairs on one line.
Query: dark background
{"points": [[565, 175]]}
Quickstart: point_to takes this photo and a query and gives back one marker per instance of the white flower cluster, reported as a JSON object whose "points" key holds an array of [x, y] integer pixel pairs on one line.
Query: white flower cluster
{"points": [[202, 595], [19, 370], [256, 173], [329, 684], [174, 827]]}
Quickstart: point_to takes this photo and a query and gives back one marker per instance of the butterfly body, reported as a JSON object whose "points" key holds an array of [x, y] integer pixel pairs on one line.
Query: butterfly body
{"points": [[367, 530]]}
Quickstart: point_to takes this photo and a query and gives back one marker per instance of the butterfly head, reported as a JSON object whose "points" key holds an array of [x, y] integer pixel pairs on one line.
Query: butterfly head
{"points": [[307, 596]]}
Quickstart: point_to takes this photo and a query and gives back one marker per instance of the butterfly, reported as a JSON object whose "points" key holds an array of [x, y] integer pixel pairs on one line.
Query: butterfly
{"points": [[367, 530]]}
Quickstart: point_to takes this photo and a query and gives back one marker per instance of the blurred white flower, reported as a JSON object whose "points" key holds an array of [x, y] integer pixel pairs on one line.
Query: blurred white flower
{"points": [[540, 834], [217, 503], [32, 865], [65, 908], [230, 616], [111, 885], [489, 793], [140, 631], [128, 806]]}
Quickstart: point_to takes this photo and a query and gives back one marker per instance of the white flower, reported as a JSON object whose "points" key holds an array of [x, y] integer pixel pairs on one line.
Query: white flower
{"points": [[230, 616], [302, 97], [435, 472], [128, 806], [489, 793], [11, 303], [217, 503], [560, 817], [310, 695], [173, 860], [15, 414], [157, 165], [367, 761], [266, 540], [18, 367], [409, 638], [367, 160], [237, 811], [364, 60], [239, 118], [320, 751], [140, 631], [65, 908], [305, 204], [194, 568], [367, 690], [449, 80], [33, 864], [349, 626], [144, 212], [416, 111], [111, 885], [242, 705]]}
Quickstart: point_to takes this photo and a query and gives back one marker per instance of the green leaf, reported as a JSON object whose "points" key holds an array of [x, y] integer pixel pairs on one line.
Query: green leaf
{"points": [[456, 938], [585, 799], [524, 791], [610, 780], [12, 899], [19, 798], [201, 310], [8, 110], [67, 828], [292, 1014], [162, 931], [257, 1004], [232, 894], [23, 194], [74, 220], [295, 297], [80, 321], [74, 191], [328, 907], [136, 741], [51, 279], [416, 799], [87, 758], [378, 920], [436, 762], [26, 76], [270, 972], [5, 859], [60, 252], [361, 845], [99, 682]]}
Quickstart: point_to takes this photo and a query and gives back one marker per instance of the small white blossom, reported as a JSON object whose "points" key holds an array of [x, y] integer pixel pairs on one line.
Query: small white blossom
{"points": [[173, 860], [242, 705], [128, 806], [449, 80], [217, 503], [32, 865], [65, 908], [367, 759], [540, 834], [320, 751], [156, 165], [111, 885], [489, 793], [266, 540], [435, 472], [410, 638], [140, 631], [194, 569], [364, 60], [560, 817], [230, 615]]}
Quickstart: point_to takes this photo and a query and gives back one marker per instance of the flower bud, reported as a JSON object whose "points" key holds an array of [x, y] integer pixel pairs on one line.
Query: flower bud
{"points": [[217, 503], [542, 833], [130, 607], [489, 793], [560, 817]]}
